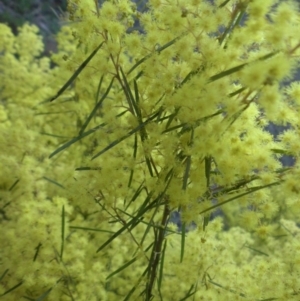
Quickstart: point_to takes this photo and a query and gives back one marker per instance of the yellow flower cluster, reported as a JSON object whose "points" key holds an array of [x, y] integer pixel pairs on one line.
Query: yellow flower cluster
{"points": [[173, 118]]}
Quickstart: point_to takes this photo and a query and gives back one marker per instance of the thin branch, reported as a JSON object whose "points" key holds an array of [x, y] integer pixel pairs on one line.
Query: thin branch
{"points": [[156, 253]]}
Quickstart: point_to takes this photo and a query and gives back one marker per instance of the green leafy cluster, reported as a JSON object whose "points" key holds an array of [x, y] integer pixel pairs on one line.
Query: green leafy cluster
{"points": [[128, 127]]}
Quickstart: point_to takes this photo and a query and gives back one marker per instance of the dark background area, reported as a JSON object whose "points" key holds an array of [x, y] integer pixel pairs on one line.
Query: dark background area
{"points": [[47, 15]]}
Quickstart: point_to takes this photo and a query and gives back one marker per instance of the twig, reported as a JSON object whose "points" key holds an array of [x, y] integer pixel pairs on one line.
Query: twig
{"points": [[156, 253]]}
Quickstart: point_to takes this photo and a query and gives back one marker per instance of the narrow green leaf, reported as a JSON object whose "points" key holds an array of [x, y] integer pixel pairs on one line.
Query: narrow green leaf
{"points": [[37, 251], [130, 178], [253, 189], [158, 50], [189, 293], [239, 67], [237, 92], [150, 225], [235, 116], [62, 232], [119, 232], [279, 236], [44, 295], [176, 127], [76, 73], [227, 289], [27, 298], [137, 98], [135, 108], [138, 75], [187, 127], [127, 298], [129, 95], [224, 3], [284, 169], [206, 221], [145, 206], [260, 252], [51, 113], [56, 136], [161, 267], [148, 163], [172, 116], [96, 108], [97, 8], [134, 221], [159, 117], [136, 194], [217, 284], [168, 178], [88, 168], [127, 264], [99, 88], [135, 146], [75, 139], [234, 22], [91, 229], [240, 17], [4, 273], [54, 182], [227, 72], [14, 185], [117, 141], [215, 192], [281, 151], [130, 293], [191, 74], [139, 62], [286, 229], [169, 175], [208, 160], [186, 172], [12, 289], [183, 230], [138, 218]]}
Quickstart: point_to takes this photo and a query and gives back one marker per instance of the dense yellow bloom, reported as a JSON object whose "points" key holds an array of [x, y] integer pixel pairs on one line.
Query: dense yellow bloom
{"points": [[181, 128]]}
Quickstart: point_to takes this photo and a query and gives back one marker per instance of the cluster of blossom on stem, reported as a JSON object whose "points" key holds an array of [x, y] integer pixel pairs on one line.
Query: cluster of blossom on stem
{"points": [[153, 119]]}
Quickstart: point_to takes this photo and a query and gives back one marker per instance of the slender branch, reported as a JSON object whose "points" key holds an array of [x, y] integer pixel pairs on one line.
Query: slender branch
{"points": [[156, 253]]}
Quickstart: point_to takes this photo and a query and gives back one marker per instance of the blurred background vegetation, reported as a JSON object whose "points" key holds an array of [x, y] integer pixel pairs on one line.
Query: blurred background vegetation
{"points": [[46, 15]]}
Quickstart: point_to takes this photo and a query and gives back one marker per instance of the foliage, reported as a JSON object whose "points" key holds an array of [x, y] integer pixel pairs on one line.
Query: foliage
{"points": [[155, 122], [47, 15]]}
